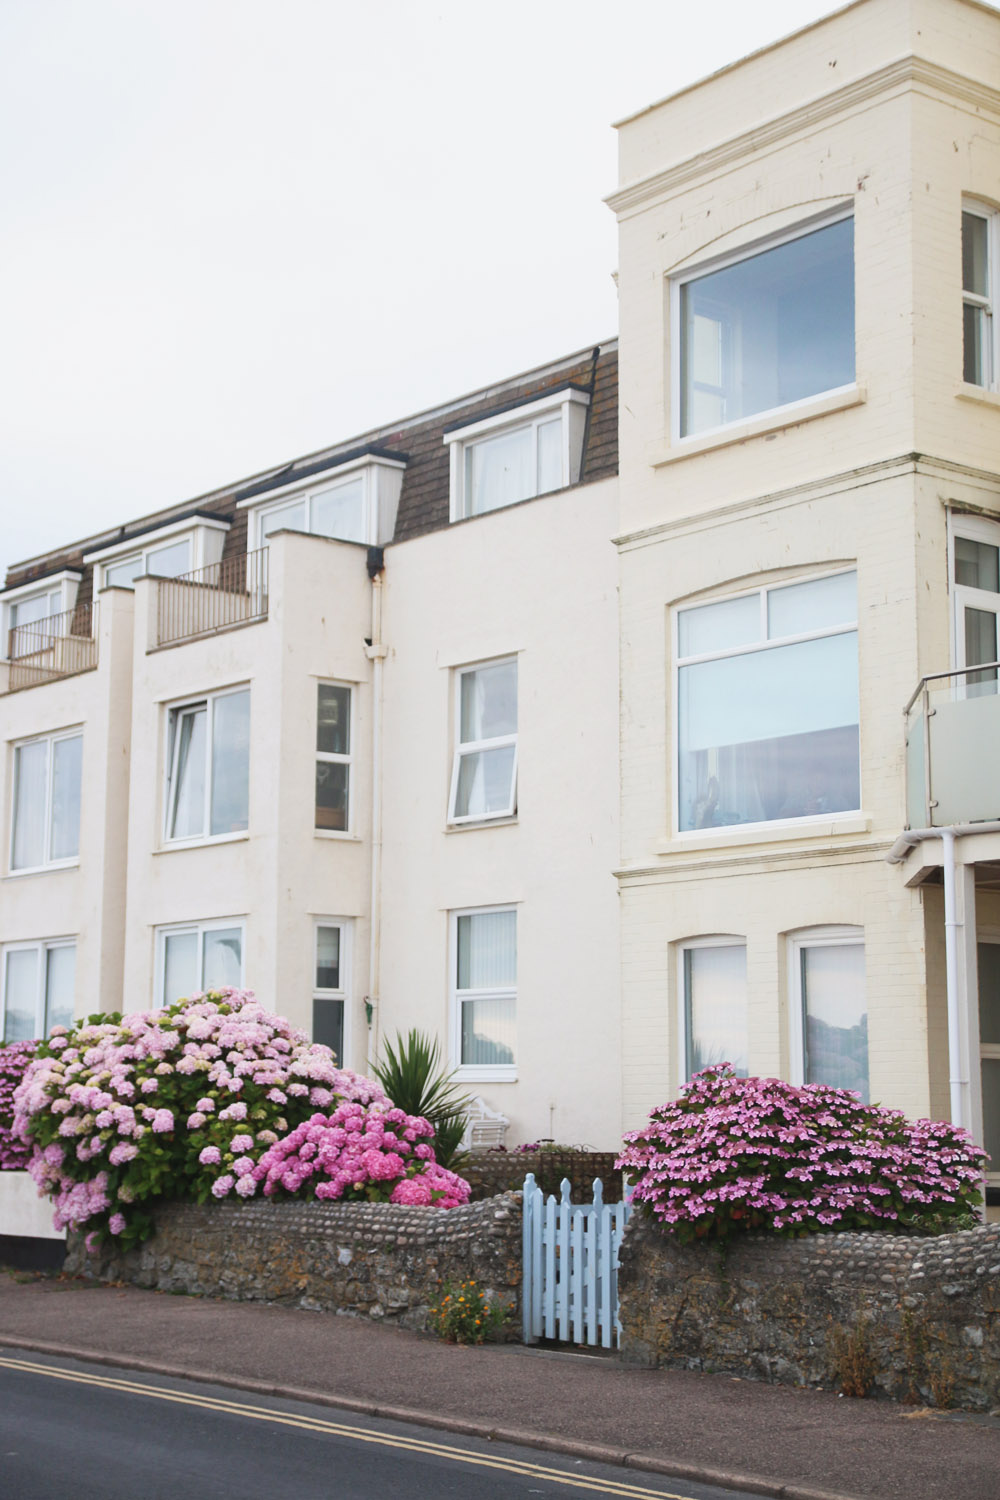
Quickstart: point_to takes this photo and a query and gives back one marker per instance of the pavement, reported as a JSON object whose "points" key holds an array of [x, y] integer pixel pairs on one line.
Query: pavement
{"points": [[775, 1440]]}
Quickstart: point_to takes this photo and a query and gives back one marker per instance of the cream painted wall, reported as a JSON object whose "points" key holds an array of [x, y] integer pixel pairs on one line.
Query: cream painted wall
{"points": [[281, 874], [536, 581], [706, 172], [84, 901], [901, 149]]}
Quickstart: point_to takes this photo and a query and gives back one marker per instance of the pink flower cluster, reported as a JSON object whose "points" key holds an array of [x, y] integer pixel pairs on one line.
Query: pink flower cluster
{"points": [[743, 1153], [14, 1060], [158, 1103], [376, 1152]]}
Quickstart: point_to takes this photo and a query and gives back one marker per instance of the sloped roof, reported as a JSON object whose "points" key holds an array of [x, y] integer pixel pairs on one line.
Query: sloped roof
{"points": [[420, 440]]}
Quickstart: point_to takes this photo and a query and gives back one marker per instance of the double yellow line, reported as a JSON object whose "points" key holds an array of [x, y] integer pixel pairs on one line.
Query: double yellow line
{"points": [[342, 1430]]}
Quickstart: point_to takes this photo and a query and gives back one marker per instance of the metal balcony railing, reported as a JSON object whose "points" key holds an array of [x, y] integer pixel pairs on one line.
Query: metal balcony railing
{"points": [[58, 646], [227, 593], [953, 748]]}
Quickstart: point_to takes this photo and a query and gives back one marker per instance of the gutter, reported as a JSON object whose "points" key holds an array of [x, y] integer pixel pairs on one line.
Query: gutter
{"points": [[376, 651]]}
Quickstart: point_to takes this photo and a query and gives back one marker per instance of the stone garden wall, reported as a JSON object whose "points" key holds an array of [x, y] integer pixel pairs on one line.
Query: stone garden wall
{"points": [[376, 1260], [916, 1319]]}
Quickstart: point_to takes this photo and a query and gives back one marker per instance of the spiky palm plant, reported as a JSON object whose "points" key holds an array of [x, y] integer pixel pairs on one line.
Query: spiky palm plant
{"points": [[412, 1074]]}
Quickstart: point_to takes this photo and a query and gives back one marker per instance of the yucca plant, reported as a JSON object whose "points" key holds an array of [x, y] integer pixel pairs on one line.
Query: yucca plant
{"points": [[412, 1074]]}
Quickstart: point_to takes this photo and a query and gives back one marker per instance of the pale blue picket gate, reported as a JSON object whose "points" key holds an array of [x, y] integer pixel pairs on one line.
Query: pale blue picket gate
{"points": [[570, 1287]]}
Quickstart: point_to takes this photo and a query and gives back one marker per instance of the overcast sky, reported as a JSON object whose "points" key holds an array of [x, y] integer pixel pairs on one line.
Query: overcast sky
{"points": [[234, 231]]}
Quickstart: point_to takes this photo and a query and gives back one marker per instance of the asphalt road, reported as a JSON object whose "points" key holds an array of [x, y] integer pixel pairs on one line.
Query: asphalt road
{"points": [[73, 1432]]}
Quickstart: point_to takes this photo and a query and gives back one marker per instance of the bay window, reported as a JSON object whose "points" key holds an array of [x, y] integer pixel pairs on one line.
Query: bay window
{"points": [[208, 767], [484, 990], [46, 802], [760, 330], [767, 705]]}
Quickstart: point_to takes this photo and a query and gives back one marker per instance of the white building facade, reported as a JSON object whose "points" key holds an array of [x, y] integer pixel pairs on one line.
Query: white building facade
{"points": [[394, 737]]}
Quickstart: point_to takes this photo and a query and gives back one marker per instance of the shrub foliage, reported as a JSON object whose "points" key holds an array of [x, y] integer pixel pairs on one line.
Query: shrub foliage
{"points": [[732, 1154], [15, 1154], [189, 1102]]}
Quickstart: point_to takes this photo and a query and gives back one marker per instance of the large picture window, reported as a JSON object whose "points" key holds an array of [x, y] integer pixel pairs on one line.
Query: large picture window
{"points": [[484, 771], [714, 1005], [829, 1008], [46, 810], [767, 329], [767, 705], [208, 767], [198, 956], [38, 982], [484, 956]]}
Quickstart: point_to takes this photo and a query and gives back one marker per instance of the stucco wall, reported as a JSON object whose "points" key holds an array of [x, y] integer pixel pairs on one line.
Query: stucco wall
{"points": [[789, 1311], [375, 1260]]}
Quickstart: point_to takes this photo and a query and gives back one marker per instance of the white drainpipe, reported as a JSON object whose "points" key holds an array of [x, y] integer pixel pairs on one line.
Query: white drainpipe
{"points": [[961, 1112], [376, 653]]}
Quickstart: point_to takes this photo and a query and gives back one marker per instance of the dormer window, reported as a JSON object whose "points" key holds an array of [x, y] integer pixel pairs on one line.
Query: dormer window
{"points": [[352, 500], [169, 551], [34, 603], [518, 453]]}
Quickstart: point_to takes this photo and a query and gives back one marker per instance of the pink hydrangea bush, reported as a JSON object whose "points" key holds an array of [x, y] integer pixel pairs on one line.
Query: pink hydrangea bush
{"points": [[733, 1154], [183, 1102], [375, 1153], [14, 1060]]}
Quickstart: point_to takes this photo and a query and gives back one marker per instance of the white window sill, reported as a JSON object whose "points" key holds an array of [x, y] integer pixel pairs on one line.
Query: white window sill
{"points": [[505, 820], [469, 1074], [52, 869], [981, 394], [770, 421], [170, 845], [337, 835], [739, 834]]}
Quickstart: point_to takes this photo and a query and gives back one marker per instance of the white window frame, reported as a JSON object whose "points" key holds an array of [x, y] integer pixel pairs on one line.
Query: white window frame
{"points": [[171, 747], [964, 596], [568, 403], [715, 940], [41, 948], [380, 476], [463, 748], [179, 929], [985, 304], [719, 263], [204, 536], [65, 584], [330, 757], [835, 935], [345, 926], [48, 864], [481, 1072], [729, 830]]}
